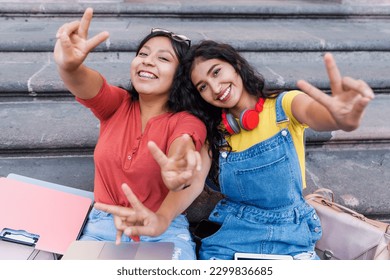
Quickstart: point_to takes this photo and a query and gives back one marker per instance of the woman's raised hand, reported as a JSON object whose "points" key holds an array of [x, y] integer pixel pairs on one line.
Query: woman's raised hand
{"points": [[349, 96], [73, 45], [178, 169]]}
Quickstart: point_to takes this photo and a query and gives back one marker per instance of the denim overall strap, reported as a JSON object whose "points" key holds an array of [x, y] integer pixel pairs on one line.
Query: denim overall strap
{"points": [[280, 114]]}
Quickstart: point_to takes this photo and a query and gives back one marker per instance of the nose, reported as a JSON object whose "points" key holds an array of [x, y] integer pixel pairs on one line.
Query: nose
{"points": [[215, 86], [148, 60]]}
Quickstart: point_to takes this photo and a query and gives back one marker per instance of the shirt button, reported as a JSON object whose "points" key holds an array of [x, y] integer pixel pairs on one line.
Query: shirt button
{"points": [[316, 229], [224, 154], [284, 133], [129, 157], [216, 214]]}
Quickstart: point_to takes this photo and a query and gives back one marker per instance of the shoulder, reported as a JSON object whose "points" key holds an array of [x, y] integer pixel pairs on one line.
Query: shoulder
{"points": [[113, 89], [108, 100], [108, 91], [186, 117], [287, 98], [185, 121], [287, 104]]}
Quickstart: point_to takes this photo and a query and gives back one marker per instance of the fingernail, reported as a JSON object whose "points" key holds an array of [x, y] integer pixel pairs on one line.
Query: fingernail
{"points": [[135, 238]]}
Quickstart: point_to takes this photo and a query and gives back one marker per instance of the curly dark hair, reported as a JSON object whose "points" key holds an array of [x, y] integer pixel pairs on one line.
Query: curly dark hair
{"points": [[253, 82]]}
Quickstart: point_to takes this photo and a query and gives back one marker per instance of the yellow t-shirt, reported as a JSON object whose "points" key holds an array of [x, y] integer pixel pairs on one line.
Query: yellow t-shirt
{"points": [[267, 128]]}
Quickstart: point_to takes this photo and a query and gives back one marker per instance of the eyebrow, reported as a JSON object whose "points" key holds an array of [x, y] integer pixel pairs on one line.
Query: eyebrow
{"points": [[159, 51], [208, 73]]}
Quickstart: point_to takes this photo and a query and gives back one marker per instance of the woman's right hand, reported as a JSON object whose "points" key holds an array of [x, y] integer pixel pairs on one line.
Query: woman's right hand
{"points": [[136, 220], [73, 45]]}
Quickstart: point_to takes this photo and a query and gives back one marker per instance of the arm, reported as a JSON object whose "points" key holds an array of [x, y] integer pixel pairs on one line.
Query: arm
{"points": [[70, 51], [184, 172], [178, 201], [342, 110], [139, 220]]}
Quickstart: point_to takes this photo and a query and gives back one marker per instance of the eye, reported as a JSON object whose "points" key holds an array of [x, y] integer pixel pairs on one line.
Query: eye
{"points": [[163, 58], [142, 54], [216, 71], [201, 88]]}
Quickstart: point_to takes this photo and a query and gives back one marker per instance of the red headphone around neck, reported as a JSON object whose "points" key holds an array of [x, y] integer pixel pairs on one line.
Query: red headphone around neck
{"points": [[249, 119]]}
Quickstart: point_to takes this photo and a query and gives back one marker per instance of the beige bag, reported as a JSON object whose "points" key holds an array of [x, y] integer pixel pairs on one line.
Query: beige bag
{"points": [[346, 234]]}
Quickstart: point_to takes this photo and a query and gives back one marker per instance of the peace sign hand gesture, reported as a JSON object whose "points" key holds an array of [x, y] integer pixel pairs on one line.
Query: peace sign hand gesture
{"points": [[73, 45], [348, 100], [178, 169], [135, 221]]}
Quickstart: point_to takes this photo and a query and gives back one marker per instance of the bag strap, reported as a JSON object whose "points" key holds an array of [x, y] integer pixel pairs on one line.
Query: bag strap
{"points": [[326, 197], [322, 193]]}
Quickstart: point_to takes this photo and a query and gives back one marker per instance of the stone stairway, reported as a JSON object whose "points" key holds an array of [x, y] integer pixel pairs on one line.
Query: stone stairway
{"points": [[45, 134]]}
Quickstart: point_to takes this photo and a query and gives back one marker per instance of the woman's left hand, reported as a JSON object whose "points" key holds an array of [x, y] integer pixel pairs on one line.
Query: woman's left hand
{"points": [[349, 96], [177, 169]]}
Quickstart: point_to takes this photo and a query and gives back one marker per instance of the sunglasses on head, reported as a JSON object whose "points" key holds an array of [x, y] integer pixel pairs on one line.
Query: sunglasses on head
{"points": [[177, 37]]}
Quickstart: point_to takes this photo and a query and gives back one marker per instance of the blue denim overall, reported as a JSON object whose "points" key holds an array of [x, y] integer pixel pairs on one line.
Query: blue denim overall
{"points": [[264, 211]]}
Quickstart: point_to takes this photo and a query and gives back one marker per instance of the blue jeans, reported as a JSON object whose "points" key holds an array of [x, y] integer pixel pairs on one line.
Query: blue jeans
{"points": [[100, 227]]}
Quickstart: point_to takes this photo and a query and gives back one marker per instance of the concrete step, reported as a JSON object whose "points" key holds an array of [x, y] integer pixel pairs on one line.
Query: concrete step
{"points": [[358, 175], [29, 126], [37, 75], [203, 8], [246, 34], [73, 170], [284, 49], [62, 125]]}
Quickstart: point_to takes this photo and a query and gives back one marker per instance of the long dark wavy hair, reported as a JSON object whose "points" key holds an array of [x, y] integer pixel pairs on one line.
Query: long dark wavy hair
{"points": [[175, 101], [253, 82]]}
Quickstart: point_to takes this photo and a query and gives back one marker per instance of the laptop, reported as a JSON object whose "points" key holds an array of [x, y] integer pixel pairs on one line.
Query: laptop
{"points": [[104, 250], [53, 186], [17, 251]]}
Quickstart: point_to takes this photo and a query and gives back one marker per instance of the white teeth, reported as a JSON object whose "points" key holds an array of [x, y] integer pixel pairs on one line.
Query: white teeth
{"points": [[226, 93], [147, 75]]}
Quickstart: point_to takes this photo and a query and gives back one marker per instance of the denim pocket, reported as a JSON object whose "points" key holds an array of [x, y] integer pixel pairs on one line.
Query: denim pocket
{"points": [[100, 226], [206, 228], [269, 185], [219, 234], [217, 245]]}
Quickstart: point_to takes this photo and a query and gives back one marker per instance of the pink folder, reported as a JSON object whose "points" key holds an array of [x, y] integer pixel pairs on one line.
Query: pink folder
{"points": [[56, 216]]}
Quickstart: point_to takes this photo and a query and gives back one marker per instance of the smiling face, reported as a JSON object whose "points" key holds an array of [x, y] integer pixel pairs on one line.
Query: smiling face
{"points": [[153, 69], [217, 82]]}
